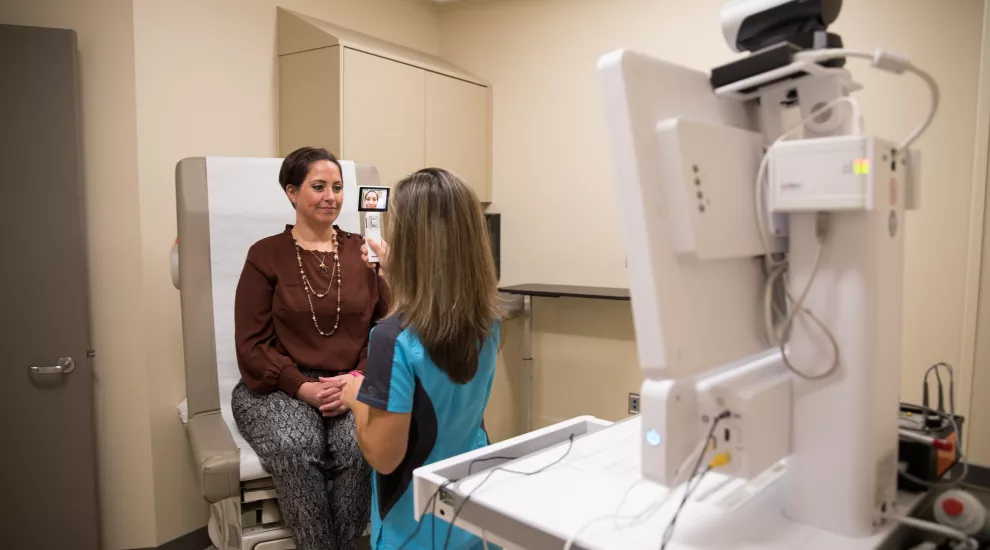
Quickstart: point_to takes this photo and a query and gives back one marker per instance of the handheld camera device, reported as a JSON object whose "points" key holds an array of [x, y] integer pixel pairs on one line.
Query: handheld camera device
{"points": [[373, 201]]}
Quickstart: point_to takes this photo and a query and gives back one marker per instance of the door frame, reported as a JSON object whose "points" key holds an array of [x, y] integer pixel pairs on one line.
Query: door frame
{"points": [[977, 219]]}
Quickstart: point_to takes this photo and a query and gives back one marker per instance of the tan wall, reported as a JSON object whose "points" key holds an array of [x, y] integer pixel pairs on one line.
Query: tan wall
{"points": [[206, 85], [106, 59], [549, 133]]}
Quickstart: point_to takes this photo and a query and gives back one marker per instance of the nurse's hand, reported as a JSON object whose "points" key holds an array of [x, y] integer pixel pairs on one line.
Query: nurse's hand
{"points": [[380, 248], [349, 395]]}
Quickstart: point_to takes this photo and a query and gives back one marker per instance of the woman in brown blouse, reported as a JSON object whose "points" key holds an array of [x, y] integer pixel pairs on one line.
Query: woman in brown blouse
{"points": [[305, 304]]}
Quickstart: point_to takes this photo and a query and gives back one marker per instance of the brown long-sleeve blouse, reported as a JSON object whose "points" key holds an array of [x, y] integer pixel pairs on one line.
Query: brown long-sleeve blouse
{"points": [[273, 325]]}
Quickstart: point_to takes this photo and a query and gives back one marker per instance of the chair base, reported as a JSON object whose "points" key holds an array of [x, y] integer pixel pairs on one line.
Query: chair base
{"points": [[253, 521], [250, 522]]}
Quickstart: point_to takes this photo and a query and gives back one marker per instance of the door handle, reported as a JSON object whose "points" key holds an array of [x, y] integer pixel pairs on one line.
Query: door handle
{"points": [[65, 366]]}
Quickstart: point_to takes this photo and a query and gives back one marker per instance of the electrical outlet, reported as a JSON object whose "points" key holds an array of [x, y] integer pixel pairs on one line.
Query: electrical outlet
{"points": [[633, 403]]}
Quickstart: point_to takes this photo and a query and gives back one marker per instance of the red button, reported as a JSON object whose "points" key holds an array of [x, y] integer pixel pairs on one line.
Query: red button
{"points": [[952, 507]]}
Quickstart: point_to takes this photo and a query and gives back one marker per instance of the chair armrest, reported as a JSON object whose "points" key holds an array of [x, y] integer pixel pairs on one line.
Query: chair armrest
{"points": [[217, 457]]}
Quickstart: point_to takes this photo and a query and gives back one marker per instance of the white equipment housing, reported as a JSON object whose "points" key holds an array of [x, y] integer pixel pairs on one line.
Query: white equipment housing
{"points": [[837, 174], [694, 309], [700, 166], [373, 230], [842, 471], [759, 436]]}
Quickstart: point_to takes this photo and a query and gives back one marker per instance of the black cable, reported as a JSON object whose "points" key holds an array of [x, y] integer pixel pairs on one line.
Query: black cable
{"points": [[431, 502], [952, 393], [941, 392], [433, 498], [433, 521], [489, 459], [924, 391], [952, 384], [669, 531], [457, 512]]}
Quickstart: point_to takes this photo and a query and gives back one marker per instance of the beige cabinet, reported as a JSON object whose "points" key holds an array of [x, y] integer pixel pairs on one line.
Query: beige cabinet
{"points": [[372, 101], [457, 130], [384, 115], [309, 100]]}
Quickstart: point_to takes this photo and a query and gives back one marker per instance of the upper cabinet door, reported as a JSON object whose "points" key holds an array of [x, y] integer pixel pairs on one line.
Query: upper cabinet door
{"points": [[458, 132], [384, 113], [309, 100]]}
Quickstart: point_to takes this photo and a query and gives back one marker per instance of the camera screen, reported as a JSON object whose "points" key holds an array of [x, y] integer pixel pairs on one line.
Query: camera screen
{"points": [[373, 199]]}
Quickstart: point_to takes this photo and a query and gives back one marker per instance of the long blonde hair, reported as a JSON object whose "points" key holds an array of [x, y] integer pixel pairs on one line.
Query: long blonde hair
{"points": [[441, 272]]}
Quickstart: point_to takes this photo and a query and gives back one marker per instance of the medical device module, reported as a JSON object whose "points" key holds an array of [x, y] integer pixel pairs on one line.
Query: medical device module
{"points": [[788, 235]]}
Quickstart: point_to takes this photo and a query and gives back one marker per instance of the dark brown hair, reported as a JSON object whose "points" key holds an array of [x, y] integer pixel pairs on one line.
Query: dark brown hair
{"points": [[296, 165]]}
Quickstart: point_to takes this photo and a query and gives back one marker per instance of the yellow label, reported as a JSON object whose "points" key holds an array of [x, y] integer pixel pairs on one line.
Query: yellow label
{"points": [[861, 166]]}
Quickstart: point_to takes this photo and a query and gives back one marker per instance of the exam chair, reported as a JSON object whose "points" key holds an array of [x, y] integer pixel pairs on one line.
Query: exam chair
{"points": [[224, 205]]}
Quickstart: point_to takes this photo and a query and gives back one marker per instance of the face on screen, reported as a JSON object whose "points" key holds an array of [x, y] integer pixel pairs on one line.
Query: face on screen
{"points": [[373, 199]]}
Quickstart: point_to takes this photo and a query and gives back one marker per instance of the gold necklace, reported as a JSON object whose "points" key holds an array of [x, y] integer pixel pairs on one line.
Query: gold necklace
{"points": [[322, 295], [323, 265], [323, 269], [323, 262], [308, 288]]}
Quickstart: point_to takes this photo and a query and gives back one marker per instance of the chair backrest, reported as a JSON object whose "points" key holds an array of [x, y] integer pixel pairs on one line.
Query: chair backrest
{"points": [[224, 205]]}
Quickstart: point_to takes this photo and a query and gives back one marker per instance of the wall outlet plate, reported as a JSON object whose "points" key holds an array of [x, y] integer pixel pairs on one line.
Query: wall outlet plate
{"points": [[633, 403]]}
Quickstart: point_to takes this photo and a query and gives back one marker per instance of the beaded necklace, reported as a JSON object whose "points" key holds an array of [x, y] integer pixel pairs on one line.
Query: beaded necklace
{"points": [[310, 291]]}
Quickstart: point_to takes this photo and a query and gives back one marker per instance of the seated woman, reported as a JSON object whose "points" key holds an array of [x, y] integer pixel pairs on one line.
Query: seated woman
{"points": [[431, 362], [305, 304]]}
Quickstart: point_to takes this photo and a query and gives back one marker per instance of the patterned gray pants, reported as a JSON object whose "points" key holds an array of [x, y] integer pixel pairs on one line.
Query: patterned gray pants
{"points": [[303, 451]]}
